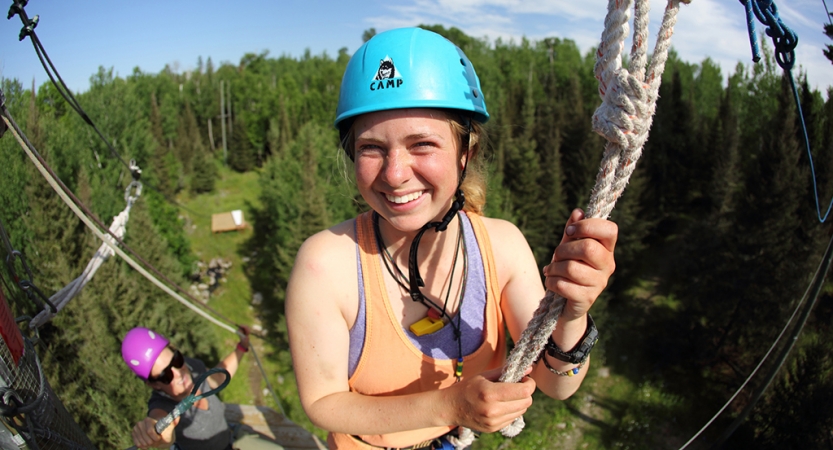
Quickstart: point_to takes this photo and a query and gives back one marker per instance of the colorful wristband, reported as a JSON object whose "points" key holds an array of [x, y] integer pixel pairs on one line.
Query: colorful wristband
{"points": [[566, 373], [241, 348]]}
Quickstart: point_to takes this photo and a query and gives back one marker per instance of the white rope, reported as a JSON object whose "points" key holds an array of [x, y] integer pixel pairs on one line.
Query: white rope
{"points": [[624, 119], [62, 297], [88, 222]]}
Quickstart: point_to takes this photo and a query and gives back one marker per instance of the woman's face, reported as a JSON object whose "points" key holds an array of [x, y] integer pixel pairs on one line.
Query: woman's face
{"points": [[407, 165], [182, 382]]}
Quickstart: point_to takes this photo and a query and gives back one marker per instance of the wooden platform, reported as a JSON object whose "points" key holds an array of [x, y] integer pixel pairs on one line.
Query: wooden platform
{"points": [[228, 221], [273, 425]]}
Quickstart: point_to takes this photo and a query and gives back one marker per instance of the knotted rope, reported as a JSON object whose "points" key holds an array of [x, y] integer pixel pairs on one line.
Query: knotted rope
{"points": [[624, 119]]}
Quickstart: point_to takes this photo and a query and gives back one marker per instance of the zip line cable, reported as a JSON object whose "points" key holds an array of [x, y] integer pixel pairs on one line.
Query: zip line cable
{"points": [[28, 29], [63, 190], [785, 41], [27, 145], [69, 198], [829, 17], [815, 286], [36, 159]]}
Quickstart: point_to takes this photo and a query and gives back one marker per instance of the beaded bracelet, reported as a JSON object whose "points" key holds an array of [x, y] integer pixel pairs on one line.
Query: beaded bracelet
{"points": [[566, 373]]}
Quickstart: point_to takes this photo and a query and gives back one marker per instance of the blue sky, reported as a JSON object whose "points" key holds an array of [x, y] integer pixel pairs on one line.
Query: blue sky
{"points": [[81, 36]]}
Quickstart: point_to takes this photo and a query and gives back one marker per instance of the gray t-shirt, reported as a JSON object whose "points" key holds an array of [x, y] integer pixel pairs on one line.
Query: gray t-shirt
{"points": [[198, 429]]}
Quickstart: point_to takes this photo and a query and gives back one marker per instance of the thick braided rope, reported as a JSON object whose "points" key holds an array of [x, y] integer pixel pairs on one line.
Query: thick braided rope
{"points": [[624, 119]]}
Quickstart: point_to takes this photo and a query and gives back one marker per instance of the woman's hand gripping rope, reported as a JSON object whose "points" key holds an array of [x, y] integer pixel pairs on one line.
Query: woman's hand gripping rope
{"points": [[160, 427]]}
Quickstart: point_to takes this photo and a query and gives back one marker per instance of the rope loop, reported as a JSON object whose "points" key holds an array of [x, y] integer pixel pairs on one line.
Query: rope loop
{"points": [[10, 402], [783, 37]]}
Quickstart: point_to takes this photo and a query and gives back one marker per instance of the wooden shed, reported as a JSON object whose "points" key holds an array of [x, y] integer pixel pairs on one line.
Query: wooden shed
{"points": [[227, 221]]}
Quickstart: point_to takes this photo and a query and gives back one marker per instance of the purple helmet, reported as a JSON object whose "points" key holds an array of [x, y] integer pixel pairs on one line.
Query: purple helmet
{"points": [[140, 348]]}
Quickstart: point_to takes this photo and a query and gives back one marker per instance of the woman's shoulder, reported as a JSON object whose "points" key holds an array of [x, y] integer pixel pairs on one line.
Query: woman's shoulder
{"points": [[331, 242], [324, 274], [509, 247], [507, 231], [326, 259]]}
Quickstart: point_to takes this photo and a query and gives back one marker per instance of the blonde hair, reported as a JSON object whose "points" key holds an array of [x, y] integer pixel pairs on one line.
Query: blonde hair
{"points": [[474, 185]]}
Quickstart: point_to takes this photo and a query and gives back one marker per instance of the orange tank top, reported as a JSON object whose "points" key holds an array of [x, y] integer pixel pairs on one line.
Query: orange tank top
{"points": [[386, 345]]}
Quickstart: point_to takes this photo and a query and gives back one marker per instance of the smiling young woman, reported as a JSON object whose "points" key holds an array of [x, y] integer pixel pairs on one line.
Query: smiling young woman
{"points": [[398, 318]]}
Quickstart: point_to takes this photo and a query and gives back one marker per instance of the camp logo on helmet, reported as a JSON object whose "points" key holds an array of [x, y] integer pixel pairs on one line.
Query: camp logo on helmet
{"points": [[386, 77]]}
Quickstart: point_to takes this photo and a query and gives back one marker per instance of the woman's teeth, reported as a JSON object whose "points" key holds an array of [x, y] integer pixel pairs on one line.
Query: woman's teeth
{"points": [[405, 198]]}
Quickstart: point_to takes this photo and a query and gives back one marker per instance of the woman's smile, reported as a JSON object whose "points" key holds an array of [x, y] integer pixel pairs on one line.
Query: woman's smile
{"points": [[404, 198]]}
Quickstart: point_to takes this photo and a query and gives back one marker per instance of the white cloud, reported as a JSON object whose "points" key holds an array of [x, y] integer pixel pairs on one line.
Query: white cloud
{"points": [[705, 28]]}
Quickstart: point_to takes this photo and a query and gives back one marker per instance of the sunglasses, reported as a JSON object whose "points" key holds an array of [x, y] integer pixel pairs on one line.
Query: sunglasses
{"points": [[167, 374]]}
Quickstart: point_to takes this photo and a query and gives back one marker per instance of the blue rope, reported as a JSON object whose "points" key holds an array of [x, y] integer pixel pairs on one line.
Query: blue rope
{"points": [[785, 41]]}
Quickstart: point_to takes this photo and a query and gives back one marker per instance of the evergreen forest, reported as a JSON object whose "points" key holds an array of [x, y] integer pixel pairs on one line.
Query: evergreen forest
{"points": [[719, 235]]}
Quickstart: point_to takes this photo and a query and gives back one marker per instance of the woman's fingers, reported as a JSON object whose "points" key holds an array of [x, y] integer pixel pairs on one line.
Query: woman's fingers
{"points": [[488, 405]]}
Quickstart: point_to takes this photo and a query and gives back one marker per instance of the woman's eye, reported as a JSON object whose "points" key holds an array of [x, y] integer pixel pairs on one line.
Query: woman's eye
{"points": [[425, 144], [369, 149]]}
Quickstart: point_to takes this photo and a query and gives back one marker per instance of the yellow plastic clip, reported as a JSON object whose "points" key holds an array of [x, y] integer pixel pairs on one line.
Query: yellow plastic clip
{"points": [[426, 326]]}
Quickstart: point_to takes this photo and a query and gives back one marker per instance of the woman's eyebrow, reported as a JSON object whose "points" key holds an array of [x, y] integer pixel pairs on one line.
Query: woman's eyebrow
{"points": [[416, 136]]}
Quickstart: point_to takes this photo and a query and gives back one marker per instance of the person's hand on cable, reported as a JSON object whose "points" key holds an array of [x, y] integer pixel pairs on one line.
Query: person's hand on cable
{"points": [[145, 435], [243, 344]]}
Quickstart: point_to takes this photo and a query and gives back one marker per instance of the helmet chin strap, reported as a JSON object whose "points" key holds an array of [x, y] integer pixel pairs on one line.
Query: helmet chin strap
{"points": [[414, 278]]}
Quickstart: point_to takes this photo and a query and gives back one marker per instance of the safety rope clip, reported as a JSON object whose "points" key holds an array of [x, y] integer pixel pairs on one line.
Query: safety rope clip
{"points": [[17, 8], [28, 24], [135, 187], [16, 254], [29, 28], [135, 171], [28, 287]]}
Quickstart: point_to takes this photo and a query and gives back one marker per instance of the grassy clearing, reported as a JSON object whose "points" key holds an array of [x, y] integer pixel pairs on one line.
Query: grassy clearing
{"points": [[233, 297]]}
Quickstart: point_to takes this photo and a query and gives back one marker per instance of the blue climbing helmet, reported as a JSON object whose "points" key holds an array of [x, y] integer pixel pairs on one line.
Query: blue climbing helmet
{"points": [[409, 68]]}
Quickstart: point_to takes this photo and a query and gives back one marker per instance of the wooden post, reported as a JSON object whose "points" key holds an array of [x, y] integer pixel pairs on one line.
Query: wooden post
{"points": [[210, 134], [230, 121], [223, 120]]}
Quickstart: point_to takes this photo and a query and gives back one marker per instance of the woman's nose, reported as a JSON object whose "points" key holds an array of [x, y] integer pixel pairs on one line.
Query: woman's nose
{"points": [[178, 373], [397, 168]]}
